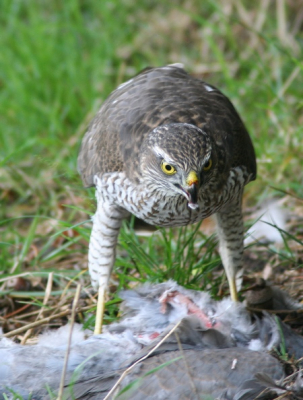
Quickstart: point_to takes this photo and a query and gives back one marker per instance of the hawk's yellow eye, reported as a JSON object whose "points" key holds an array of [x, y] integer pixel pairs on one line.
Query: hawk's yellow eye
{"points": [[208, 165], [167, 168]]}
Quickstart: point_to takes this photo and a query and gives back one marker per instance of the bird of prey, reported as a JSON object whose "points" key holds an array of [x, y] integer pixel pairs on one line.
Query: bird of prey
{"points": [[171, 150]]}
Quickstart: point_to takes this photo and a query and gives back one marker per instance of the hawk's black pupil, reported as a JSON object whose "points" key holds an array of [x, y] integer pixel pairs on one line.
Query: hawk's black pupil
{"points": [[206, 165], [168, 167]]}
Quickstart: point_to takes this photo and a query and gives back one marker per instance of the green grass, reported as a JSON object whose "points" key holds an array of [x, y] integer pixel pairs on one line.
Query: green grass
{"points": [[167, 254], [59, 60]]}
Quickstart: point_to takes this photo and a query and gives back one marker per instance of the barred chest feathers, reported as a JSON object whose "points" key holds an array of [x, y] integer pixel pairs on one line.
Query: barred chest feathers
{"points": [[157, 206]]}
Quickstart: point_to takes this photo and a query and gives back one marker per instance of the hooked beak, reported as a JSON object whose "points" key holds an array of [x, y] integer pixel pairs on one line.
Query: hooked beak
{"points": [[192, 189], [193, 196]]}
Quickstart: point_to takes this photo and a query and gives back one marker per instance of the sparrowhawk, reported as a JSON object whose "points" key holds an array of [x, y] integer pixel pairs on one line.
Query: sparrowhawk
{"points": [[172, 150]]}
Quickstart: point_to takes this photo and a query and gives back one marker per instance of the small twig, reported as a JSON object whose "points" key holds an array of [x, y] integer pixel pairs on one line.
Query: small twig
{"points": [[48, 291], [140, 360], [42, 309], [42, 321], [283, 395], [26, 336], [72, 321], [49, 309], [192, 383], [255, 309], [70, 282], [290, 377], [36, 323], [16, 312]]}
